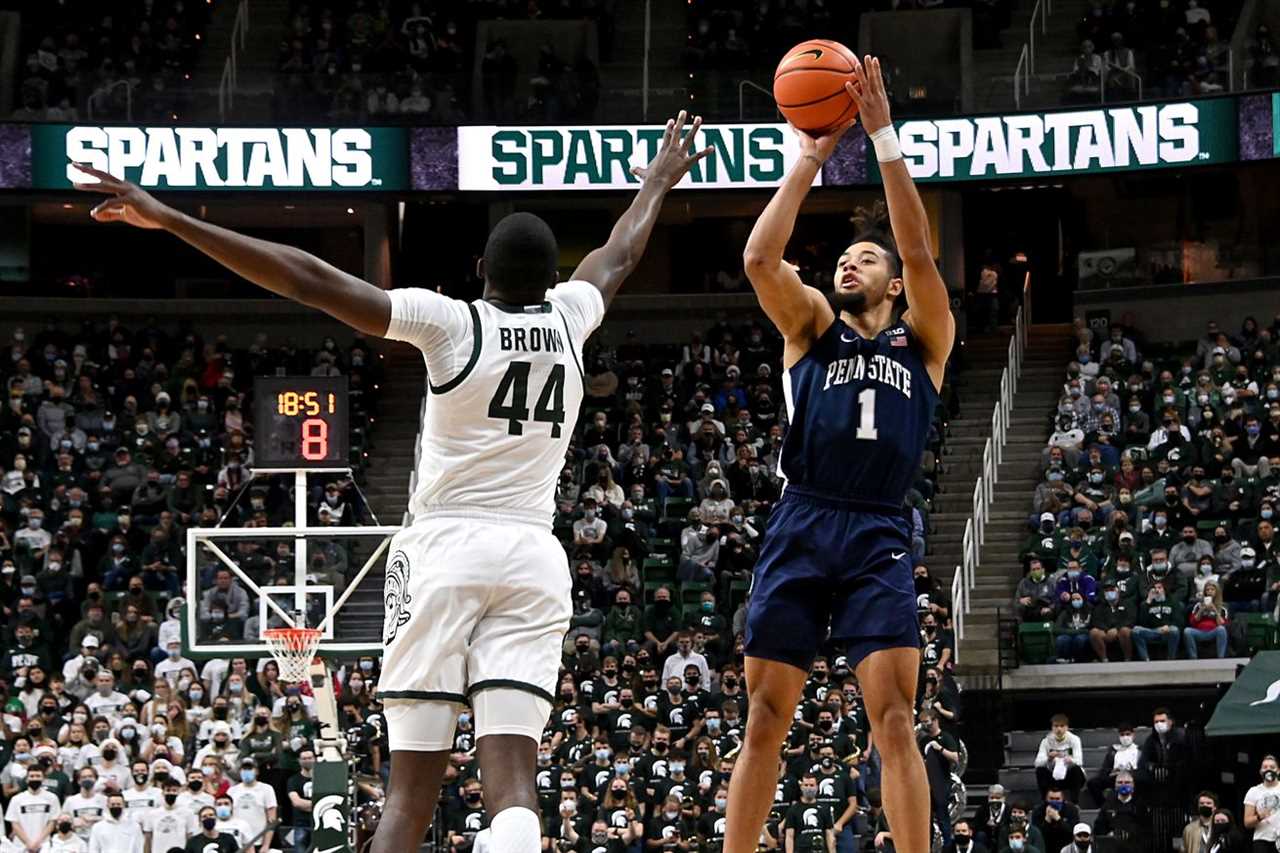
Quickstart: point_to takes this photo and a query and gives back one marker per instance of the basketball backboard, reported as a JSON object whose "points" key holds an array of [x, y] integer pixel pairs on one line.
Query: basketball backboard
{"points": [[335, 585]]}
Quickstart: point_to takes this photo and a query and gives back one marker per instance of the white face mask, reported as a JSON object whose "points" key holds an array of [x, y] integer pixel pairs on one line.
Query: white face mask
{"points": [[1126, 740]]}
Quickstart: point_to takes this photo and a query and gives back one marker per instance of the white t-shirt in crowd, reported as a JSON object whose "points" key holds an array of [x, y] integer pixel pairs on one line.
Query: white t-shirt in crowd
{"points": [[139, 801], [251, 804], [170, 827], [86, 811], [1265, 799], [107, 706], [33, 811], [71, 844], [236, 828]]}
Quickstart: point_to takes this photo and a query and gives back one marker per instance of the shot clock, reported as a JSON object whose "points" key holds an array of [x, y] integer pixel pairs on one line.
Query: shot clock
{"points": [[300, 422]]}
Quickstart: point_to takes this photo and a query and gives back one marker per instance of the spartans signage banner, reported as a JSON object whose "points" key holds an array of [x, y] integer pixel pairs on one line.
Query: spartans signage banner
{"points": [[1028, 145], [233, 158], [600, 158]]}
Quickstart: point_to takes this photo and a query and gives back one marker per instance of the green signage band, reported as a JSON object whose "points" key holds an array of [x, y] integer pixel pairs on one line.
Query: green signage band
{"points": [[495, 159], [1076, 142], [230, 158]]}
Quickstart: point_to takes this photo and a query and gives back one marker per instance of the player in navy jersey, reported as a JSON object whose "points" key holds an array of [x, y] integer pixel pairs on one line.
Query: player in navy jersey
{"points": [[861, 387]]}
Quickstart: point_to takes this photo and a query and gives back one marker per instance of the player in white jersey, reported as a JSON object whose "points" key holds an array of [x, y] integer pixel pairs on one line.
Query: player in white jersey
{"points": [[477, 588]]}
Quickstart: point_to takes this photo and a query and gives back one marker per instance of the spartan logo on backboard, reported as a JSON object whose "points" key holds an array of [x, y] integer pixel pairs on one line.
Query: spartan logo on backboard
{"points": [[395, 595]]}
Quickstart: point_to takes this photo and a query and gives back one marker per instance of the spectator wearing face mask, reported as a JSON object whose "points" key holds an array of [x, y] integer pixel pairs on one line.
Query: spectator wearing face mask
{"points": [[1197, 835], [1262, 805], [1163, 765], [31, 812], [64, 838], [1075, 581], [809, 824], [1082, 840], [210, 839], [1171, 428], [1017, 842], [1124, 817], [1160, 570], [1188, 552], [254, 802], [170, 824], [589, 531], [1120, 756], [1251, 455], [699, 550], [1042, 544], [117, 832], [1111, 624], [963, 840], [1158, 619], [1207, 622], [229, 822], [1035, 598], [1056, 819]]}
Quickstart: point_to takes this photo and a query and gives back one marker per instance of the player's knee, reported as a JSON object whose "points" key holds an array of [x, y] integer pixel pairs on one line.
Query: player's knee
{"points": [[769, 722], [894, 728]]}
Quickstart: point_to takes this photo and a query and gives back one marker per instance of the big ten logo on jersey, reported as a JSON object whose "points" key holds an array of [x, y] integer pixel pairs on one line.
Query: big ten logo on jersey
{"points": [[532, 339]]}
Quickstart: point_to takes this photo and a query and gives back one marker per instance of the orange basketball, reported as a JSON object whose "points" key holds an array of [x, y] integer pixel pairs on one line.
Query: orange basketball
{"points": [[809, 86]]}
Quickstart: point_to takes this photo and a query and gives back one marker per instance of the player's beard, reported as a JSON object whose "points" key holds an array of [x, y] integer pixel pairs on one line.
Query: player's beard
{"points": [[853, 301]]}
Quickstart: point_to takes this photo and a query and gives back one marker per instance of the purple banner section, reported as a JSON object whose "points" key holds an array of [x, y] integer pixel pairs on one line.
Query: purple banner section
{"points": [[847, 165], [1257, 127], [433, 158], [15, 156]]}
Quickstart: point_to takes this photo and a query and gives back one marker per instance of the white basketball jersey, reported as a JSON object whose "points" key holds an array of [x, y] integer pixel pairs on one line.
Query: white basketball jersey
{"points": [[504, 387]]}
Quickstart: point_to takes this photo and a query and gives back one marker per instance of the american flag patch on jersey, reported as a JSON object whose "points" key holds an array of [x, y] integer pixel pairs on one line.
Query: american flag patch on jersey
{"points": [[898, 341]]}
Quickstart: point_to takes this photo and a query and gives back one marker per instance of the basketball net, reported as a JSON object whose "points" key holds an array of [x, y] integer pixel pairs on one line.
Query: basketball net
{"points": [[293, 649]]}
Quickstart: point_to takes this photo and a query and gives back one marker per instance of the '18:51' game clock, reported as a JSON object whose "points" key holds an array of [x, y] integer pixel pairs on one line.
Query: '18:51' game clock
{"points": [[300, 422]]}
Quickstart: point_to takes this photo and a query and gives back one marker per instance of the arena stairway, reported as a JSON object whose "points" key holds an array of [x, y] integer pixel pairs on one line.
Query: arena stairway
{"points": [[256, 59], [1056, 51], [1018, 775], [978, 387], [391, 457], [622, 77]]}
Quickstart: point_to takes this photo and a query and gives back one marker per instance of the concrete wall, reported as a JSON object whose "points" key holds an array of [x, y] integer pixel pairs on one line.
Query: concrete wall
{"points": [[933, 49], [1179, 312]]}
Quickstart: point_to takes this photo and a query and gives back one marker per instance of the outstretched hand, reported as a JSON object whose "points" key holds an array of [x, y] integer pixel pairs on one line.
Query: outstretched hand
{"points": [[868, 92], [128, 203], [673, 159]]}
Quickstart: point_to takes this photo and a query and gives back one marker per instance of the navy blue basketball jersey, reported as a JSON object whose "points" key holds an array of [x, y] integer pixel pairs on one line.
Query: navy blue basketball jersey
{"points": [[860, 412]]}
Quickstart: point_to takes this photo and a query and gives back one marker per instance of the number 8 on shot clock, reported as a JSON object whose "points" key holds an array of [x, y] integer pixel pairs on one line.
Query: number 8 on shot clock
{"points": [[301, 422]]}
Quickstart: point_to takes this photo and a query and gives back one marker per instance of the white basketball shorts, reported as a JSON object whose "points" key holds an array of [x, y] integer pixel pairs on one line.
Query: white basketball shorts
{"points": [[471, 605]]}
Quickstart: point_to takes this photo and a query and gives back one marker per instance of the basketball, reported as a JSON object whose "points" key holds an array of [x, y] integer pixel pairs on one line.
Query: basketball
{"points": [[809, 86]]}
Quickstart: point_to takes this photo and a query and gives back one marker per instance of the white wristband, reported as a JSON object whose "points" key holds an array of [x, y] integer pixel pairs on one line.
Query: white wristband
{"points": [[886, 142]]}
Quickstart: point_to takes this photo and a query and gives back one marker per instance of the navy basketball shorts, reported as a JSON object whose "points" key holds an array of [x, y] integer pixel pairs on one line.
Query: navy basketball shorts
{"points": [[824, 564]]}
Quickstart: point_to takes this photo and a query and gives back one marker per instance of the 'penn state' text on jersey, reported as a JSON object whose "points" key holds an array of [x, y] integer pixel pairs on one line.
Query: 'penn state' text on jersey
{"points": [[505, 385], [860, 411]]}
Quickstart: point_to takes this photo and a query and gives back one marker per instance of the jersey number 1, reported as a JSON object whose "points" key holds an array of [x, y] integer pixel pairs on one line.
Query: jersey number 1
{"points": [[514, 386], [867, 415]]}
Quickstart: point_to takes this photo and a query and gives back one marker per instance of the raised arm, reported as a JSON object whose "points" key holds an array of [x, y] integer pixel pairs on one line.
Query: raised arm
{"points": [[928, 304], [608, 266], [798, 311], [285, 270]]}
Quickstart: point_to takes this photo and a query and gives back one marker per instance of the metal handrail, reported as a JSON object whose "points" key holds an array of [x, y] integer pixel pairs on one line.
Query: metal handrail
{"points": [[230, 68], [958, 607], [1021, 69], [742, 84], [974, 537], [128, 99], [1043, 9], [1106, 72]]}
